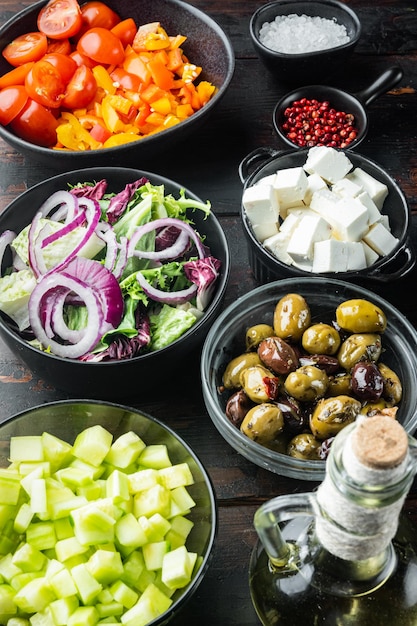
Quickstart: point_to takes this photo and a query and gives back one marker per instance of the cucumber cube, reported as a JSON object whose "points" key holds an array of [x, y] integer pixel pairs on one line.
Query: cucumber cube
{"points": [[93, 523], [181, 502], [129, 533], [62, 609], [62, 583], [9, 487], [151, 604], [180, 529], [26, 448], [157, 499], [110, 609], [41, 535], [67, 548], [176, 476], [38, 502], [117, 487], [92, 445], [106, 566], [153, 554], [23, 518], [133, 566], [56, 451], [87, 586], [142, 480], [29, 559], [155, 456], [177, 567], [124, 594], [35, 596], [84, 616], [8, 607], [63, 528], [7, 568], [155, 527], [125, 450]]}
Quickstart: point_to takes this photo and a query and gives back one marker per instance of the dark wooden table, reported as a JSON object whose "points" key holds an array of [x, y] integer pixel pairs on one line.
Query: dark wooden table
{"points": [[208, 165]]}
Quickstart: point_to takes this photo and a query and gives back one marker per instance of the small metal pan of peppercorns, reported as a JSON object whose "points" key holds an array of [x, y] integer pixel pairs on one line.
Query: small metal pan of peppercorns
{"points": [[321, 115]]}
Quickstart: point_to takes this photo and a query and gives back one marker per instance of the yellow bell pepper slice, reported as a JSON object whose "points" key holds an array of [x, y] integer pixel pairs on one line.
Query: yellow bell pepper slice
{"points": [[104, 79], [120, 139], [72, 135]]}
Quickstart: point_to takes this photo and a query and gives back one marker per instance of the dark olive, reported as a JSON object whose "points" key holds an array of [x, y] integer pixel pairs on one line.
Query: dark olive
{"points": [[304, 446], [277, 355], [295, 418], [231, 376], [259, 383], [237, 406], [255, 334], [263, 423], [329, 364], [393, 390], [361, 316], [333, 414], [321, 339], [367, 381], [307, 383], [359, 347], [291, 317]]}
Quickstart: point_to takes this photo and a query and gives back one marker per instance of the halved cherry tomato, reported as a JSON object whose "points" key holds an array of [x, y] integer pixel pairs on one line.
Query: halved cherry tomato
{"points": [[16, 76], [102, 46], [45, 84], [81, 89], [63, 46], [35, 124], [98, 14], [65, 65], [81, 59], [125, 31], [25, 48], [12, 101], [60, 19]]}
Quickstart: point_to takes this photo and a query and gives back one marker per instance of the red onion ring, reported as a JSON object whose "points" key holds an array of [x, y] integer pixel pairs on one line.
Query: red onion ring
{"points": [[67, 206], [166, 297], [172, 252]]}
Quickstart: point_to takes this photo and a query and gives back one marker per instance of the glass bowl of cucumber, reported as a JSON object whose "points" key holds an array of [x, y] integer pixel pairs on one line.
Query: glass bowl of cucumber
{"points": [[120, 514]]}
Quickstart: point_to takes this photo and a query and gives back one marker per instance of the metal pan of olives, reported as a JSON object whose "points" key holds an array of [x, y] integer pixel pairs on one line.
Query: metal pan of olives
{"points": [[392, 344]]}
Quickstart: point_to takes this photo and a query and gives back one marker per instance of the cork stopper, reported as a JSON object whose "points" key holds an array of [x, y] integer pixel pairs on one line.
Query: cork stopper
{"points": [[380, 442]]}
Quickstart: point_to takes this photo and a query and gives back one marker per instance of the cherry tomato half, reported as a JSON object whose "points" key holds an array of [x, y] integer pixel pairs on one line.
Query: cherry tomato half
{"points": [[125, 31], [65, 65], [98, 14], [12, 101], [81, 89], [45, 84], [60, 19], [126, 80], [63, 46], [25, 48], [102, 46], [35, 124]]}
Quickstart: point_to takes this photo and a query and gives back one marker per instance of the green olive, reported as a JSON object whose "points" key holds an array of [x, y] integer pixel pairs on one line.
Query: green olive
{"points": [[370, 408], [253, 382], [333, 414], [304, 446], [307, 383], [361, 316], [263, 423], [291, 317], [359, 347], [339, 385], [256, 334], [321, 339], [231, 376], [393, 390]]}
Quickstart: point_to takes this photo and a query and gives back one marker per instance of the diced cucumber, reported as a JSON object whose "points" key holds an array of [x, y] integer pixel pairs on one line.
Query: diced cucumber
{"points": [[56, 451], [176, 476], [92, 445], [124, 594], [29, 559], [84, 616], [125, 450], [181, 502], [177, 567], [41, 535], [106, 566], [10, 486], [154, 553], [26, 448], [150, 605], [155, 456], [157, 499], [87, 586], [23, 517], [8, 606], [143, 480], [62, 583], [62, 609], [117, 487], [129, 533], [67, 548], [35, 596]]}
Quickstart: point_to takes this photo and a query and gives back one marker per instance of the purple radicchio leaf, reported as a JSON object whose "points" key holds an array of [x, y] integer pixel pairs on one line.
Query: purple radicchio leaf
{"points": [[166, 237], [203, 273], [94, 192], [120, 201]]}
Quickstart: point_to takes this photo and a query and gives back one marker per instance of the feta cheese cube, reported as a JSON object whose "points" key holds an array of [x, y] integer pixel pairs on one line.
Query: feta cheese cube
{"points": [[260, 204], [290, 186], [374, 214], [356, 256], [277, 245], [346, 187], [375, 188], [380, 239], [314, 183], [266, 180], [349, 220], [264, 230], [330, 164], [309, 230], [370, 255], [290, 222], [324, 203], [330, 256]]}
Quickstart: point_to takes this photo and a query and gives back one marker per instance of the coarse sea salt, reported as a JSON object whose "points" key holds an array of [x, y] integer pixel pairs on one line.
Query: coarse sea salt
{"points": [[297, 34]]}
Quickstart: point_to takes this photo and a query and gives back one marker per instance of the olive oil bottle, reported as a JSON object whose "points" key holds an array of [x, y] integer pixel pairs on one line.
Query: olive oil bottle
{"points": [[344, 555]]}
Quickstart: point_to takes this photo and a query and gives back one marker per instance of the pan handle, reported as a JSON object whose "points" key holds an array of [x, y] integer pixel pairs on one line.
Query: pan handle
{"points": [[407, 265], [263, 153], [388, 79]]}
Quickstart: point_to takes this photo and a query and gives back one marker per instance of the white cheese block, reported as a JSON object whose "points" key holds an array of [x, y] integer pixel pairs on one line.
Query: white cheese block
{"points": [[380, 239], [349, 220], [375, 188], [370, 255], [306, 265], [277, 245], [264, 230], [266, 180], [290, 186], [330, 164], [290, 222], [346, 187], [260, 204], [314, 183], [330, 256], [374, 214], [324, 202], [310, 228], [356, 256]]}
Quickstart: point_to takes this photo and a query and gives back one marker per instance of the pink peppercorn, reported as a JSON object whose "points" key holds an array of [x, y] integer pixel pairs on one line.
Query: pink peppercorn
{"points": [[312, 123]]}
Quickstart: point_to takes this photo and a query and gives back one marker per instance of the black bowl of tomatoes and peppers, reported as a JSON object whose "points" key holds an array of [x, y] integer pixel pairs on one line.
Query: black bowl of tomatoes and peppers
{"points": [[96, 82], [317, 115]]}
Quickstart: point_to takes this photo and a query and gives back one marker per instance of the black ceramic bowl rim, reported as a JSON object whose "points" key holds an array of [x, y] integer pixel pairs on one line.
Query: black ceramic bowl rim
{"points": [[216, 348], [376, 270], [150, 356], [125, 412], [257, 16], [64, 158]]}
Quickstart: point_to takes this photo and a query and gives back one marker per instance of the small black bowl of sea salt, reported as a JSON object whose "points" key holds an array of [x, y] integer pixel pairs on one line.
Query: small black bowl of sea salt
{"points": [[304, 42]]}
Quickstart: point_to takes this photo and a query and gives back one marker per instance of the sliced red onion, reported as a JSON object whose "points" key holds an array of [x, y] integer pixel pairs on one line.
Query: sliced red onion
{"points": [[67, 203], [92, 332], [122, 258], [35, 257], [6, 239], [166, 297], [67, 228], [172, 252], [106, 233]]}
